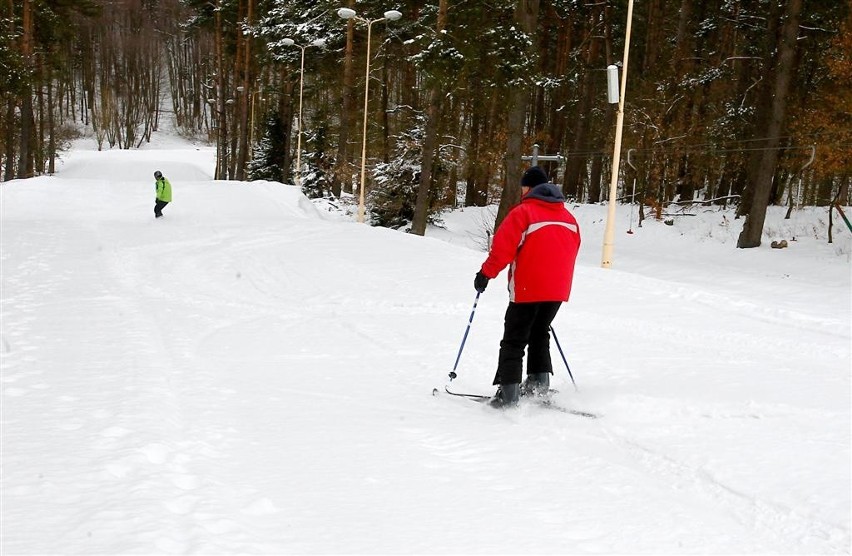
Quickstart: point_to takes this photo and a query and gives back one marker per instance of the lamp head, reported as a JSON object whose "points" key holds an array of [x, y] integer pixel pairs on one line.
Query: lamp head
{"points": [[318, 42], [392, 15], [345, 13], [288, 42]]}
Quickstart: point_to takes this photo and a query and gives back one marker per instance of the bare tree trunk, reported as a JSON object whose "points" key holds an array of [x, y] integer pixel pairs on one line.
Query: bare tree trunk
{"points": [[285, 111], [843, 193], [51, 128], [562, 59], [342, 180], [9, 123], [430, 140], [25, 152], [762, 171], [385, 100], [655, 33], [38, 144], [476, 192], [577, 166], [222, 135], [609, 116], [526, 15], [244, 99], [9, 170]]}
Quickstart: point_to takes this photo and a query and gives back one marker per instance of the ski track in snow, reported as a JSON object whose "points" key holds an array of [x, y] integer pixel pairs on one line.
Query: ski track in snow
{"points": [[777, 526], [128, 428], [215, 386], [760, 524]]}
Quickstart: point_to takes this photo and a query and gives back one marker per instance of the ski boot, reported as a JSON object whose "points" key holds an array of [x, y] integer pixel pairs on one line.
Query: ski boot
{"points": [[507, 396], [536, 384]]}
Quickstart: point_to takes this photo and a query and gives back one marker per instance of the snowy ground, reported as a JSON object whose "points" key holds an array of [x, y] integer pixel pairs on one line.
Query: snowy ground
{"points": [[253, 374]]}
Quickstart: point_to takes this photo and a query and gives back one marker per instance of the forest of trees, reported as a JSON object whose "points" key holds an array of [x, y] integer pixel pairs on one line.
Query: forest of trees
{"points": [[728, 101]]}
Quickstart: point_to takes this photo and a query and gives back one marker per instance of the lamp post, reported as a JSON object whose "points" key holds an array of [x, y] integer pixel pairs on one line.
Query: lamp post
{"points": [[390, 15], [609, 230], [291, 42]]}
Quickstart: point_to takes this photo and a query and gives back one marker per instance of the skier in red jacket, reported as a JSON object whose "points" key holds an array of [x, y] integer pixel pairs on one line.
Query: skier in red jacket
{"points": [[539, 239]]}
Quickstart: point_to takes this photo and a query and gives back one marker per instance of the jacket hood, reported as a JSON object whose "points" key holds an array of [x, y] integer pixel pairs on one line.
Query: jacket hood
{"points": [[547, 192]]}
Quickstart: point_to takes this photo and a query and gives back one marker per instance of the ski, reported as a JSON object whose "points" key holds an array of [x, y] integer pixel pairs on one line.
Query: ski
{"points": [[474, 397], [546, 403], [550, 405]]}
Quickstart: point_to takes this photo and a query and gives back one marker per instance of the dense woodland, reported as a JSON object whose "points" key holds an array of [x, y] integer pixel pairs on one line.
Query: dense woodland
{"points": [[727, 101]]}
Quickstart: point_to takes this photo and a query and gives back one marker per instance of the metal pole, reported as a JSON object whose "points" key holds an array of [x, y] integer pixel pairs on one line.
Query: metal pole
{"points": [[562, 353], [362, 209], [535, 158], [609, 232], [464, 339], [390, 15]]}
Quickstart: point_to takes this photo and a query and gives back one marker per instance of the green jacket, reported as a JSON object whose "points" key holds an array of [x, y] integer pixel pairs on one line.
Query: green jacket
{"points": [[164, 190]]}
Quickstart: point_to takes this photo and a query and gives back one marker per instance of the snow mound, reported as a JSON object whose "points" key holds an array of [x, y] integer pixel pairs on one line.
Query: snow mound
{"points": [[123, 165]]}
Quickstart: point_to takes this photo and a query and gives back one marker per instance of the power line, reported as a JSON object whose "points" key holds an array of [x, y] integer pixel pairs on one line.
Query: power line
{"points": [[702, 149]]}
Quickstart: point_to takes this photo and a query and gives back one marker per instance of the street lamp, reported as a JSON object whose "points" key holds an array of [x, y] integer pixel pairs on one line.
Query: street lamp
{"points": [[391, 15], [291, 42]]}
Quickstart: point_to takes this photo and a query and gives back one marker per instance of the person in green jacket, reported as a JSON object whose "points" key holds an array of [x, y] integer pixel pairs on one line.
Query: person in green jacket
{"points": [[164, 193]]}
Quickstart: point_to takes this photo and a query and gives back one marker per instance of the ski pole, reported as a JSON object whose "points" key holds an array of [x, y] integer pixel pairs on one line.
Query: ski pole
{"points": [[562, 353], [464, 339]]}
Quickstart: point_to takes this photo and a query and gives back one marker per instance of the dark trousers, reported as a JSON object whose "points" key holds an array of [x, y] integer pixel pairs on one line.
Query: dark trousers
{"points": [[158, 207], [526, 324]]}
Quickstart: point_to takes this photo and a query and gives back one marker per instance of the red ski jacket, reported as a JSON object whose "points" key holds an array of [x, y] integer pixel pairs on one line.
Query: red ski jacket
{"points": [[540, 238]]}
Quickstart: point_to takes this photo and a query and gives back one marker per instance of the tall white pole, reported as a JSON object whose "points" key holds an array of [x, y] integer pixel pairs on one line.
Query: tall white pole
{"points": [[609, 232], [299, 139], [362, 208], [390, 15]]}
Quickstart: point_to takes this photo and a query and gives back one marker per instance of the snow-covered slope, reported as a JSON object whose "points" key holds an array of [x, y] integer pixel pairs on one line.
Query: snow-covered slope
{"points": [[251, 374]]}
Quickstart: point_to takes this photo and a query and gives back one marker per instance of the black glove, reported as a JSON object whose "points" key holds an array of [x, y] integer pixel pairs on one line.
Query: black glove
{"points": [[480, 282]]}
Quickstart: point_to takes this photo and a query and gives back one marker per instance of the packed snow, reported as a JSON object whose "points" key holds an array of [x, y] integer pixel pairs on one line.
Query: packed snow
{"points": [[254, 374]]}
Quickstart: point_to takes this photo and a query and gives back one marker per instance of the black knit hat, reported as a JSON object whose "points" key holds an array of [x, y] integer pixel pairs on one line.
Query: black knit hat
{"points": [[533, 177]]}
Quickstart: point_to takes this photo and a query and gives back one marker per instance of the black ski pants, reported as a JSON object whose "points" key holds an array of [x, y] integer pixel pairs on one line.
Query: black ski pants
{"points": [[526, 325], [158, 207]]}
